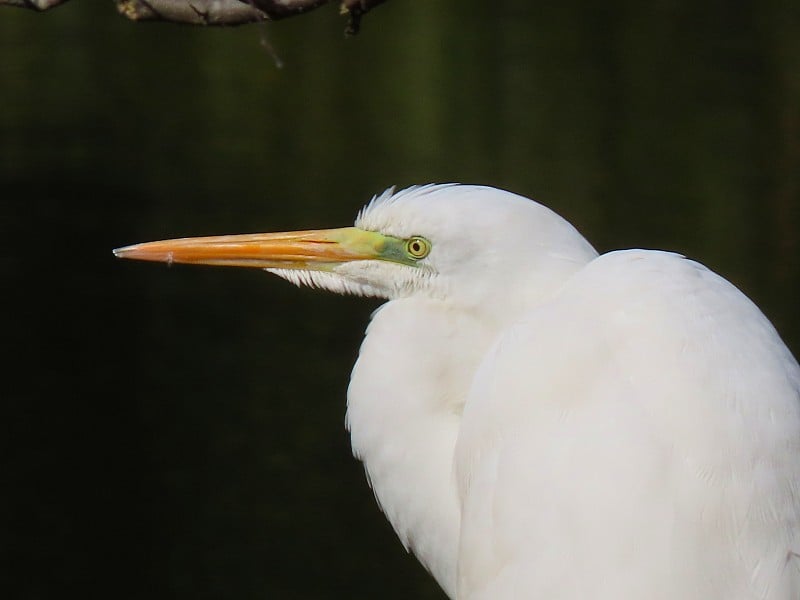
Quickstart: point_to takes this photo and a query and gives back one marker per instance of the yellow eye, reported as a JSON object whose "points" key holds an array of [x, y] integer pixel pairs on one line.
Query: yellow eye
{"points": [[418, 247]]}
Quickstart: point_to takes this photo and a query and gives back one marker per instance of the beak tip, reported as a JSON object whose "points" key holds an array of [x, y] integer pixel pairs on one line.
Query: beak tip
{"points": [[137, 251]]}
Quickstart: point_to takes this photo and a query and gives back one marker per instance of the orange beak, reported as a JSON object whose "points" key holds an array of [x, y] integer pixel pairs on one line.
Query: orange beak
{"points": [[314, 249]]}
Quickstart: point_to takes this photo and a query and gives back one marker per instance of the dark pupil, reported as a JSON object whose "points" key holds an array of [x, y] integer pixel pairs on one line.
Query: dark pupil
{"points": [[415, 246]]}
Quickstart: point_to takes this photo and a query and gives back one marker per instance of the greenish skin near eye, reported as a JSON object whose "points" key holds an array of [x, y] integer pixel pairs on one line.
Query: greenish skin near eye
{"points": [[405, 251], [418, 247]]}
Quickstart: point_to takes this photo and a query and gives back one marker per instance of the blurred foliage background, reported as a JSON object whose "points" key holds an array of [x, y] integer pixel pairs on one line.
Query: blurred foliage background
{"points": [[178, 433]]}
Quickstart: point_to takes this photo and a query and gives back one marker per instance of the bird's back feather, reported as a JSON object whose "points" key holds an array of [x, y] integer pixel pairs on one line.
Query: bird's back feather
{"points": [[637, 436]]}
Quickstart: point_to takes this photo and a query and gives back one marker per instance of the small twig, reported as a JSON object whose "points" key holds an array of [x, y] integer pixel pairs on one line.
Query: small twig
{"points": [[267, 45], [355, 9]]}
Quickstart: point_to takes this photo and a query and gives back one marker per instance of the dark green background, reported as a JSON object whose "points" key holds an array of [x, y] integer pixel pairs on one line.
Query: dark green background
{"points": [[178, 433]]}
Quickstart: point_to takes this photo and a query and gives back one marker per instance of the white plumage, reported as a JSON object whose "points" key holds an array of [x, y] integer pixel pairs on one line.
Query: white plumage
{"points": [[540, 422]]}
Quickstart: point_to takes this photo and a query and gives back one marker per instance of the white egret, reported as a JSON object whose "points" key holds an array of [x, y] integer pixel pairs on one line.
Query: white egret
{"points": [[538, 421]]}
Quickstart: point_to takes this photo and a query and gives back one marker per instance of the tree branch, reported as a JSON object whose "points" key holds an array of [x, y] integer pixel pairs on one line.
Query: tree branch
{"points": [[217, 12], [32, 4], [280, 9], [191, 12]]}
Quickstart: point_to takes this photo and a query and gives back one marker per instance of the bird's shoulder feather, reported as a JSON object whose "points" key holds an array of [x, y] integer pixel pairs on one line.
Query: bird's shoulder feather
{"points": [[641, 428]]}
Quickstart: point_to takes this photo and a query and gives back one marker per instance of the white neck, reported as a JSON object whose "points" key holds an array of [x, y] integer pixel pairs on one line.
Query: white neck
{"points": [[404, 406]]}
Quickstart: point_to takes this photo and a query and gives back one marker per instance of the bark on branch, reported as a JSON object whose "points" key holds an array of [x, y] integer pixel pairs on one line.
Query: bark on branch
{"points": [[191, 12], [217, 12], [32, 4]]}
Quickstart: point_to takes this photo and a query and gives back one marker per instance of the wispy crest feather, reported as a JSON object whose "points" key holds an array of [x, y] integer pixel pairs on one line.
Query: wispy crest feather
{"points": [[373, 217]]}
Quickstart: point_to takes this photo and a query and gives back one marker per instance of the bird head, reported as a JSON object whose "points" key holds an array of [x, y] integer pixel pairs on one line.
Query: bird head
{"points": [[459, 243]]}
